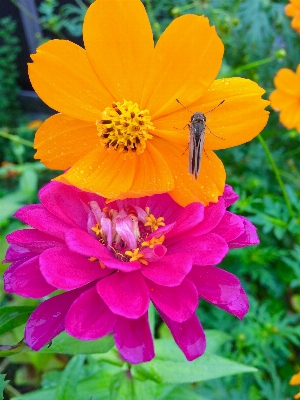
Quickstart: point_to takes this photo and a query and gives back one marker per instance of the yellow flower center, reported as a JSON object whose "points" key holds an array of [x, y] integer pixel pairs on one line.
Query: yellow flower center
{"points": [[152, 242], [124, 127]]}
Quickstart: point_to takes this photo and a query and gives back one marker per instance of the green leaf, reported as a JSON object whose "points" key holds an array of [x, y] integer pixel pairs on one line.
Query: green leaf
{"points": [[184, 393], [170, 366], [67, 344], [121, 386], [215, 339], [11, 317], [3, 383], [67, 386]]}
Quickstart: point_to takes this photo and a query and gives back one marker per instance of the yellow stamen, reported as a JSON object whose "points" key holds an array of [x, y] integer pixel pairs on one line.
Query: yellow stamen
{"points": [[152, 242], [96, 229], [153, 222], [125, 127], [136, 256]]}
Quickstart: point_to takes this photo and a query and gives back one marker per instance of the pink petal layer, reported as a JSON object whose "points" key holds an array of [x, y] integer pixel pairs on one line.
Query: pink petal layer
{"points": [[84, 244], [247, 238], [67, 270], [205, 250], [62, 201], [33, 240], [37, 216], [230, 227], [170, 270], [238, 307], [229, 196], [133, 339], [162, 205], [125, 294], [189, 336], [25, 279], [178, 302], [48, 320], [215, 285], [190, 217], [89, 317], [15, 253], [212, 216]]}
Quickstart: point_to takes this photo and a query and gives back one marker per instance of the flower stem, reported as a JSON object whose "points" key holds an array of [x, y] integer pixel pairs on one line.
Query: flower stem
{"points": [[277, 174], [16, 139], [253, 64]]}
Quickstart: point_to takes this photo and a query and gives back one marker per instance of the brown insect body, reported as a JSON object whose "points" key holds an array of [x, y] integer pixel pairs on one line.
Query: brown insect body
{"points": [[197, 135]]}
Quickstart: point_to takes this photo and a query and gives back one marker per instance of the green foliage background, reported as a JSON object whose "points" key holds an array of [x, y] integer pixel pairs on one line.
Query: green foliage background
{"points": [[258, 42]]}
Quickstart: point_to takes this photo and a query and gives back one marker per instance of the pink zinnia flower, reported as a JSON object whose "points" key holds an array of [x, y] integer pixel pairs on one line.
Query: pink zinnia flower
{"points": [[113, 259]]}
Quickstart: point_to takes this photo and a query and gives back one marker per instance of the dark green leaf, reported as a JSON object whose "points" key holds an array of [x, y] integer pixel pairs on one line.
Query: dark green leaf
{"points": [[3, 383], [67, 386], [11, 317], [121, 386]]}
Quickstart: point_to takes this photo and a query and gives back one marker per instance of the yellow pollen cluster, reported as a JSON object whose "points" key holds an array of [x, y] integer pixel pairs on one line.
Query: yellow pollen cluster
{"points": [[136, 256], [154, 223], [96, 229], [124, 127], [152, 242]]}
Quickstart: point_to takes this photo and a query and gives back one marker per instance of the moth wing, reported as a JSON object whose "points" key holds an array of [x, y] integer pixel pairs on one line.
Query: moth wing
{"points": [[195, 152]]}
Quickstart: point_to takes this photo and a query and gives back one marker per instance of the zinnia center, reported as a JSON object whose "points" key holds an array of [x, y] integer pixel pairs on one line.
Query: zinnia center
{"points": [[128, 233], [124, 127]]}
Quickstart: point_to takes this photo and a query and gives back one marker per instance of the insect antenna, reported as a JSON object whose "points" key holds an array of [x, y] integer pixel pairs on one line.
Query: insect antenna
{"points": [[210, 111], [187, 108]]}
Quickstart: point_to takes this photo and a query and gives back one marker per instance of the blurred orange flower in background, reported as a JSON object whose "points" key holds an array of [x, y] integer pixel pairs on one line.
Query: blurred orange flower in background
{"points": [[293, 10], [286, 97], [116, 131], [295, 380]]}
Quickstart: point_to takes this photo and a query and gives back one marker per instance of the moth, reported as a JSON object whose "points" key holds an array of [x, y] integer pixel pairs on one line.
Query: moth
{"points": [[197, 127]]}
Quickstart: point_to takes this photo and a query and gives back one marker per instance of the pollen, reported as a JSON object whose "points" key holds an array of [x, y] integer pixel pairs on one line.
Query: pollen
{"points": [[154, 241], [125, 128], [136, 256], [153, 222]]}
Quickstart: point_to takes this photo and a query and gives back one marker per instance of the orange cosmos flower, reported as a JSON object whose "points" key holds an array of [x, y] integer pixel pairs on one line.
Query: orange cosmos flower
{"points": [[286, 97], [118, 132], [295, 380], [293, 10]]}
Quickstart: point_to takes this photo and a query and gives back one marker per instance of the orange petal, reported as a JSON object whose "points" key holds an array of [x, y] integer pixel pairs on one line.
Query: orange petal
{"points": [[290, 117], [280, 100], [295, 379], [111, 175], [118, 38], [64, 79], [290, 10], [211, 180], [61, 141], [186, 60], [287, 81]]}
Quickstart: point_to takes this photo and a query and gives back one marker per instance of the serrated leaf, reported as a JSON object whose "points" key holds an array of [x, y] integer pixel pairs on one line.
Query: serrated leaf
{"points": [[11, 317], [67, 386], [67, 344], [170, 366], [3, 383]]}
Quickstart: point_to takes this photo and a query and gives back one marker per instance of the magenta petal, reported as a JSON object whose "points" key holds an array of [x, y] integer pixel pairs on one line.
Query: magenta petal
{"points": [[67, 270], [178, 302], [89, 317], [238, 307], [33, 240], [230, 227], [205, 250], [154, 254], [189, 217], [162, 205], [15, 252], [170, 270], [162, 230], [25, 279], [125, 294], [229, 196], [37, 216], [133, 339], [215, 285], [48, 320], [62, 201], [247, 238], [213, 214], [189, 336], [84, 244]]}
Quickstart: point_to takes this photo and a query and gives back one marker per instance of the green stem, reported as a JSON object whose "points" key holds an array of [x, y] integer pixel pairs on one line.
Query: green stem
{"points": [[253, 64], [16, 139], [277, 174]]}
